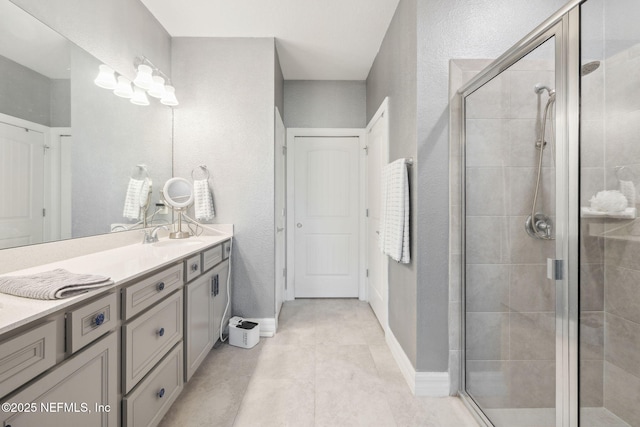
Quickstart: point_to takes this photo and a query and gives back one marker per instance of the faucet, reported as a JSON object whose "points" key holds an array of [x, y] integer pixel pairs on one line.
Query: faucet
{"points": [[153, 236]]}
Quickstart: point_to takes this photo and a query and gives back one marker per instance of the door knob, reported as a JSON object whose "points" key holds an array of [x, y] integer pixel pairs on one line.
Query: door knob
{"points": [[299, 225]]}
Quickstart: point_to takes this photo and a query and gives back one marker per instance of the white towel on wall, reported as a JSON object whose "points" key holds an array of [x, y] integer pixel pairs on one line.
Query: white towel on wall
{"points": [[203, 201], [132, 199], [394, 221]]}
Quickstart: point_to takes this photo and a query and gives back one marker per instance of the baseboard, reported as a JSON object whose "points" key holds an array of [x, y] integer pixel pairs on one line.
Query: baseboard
{"points": [[431, 384], [267, 326]]}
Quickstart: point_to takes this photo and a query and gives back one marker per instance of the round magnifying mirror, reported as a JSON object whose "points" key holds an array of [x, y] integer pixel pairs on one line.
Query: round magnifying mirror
{"points": [[178, 193]]}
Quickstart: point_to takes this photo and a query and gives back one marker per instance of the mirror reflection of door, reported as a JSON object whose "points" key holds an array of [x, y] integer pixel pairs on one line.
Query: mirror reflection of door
{"points": [[21, 186]]}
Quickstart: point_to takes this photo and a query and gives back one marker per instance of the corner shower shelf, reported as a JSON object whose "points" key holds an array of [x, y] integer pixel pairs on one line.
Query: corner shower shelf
{"points": [[628, 213]]}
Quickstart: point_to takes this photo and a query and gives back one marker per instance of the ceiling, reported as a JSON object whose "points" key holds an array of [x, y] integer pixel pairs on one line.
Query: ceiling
{"points": [[316, 39]]}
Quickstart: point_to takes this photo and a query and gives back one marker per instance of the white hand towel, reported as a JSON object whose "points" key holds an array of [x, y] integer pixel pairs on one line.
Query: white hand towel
{"points": [[203, 201], [132, 199], [394, 221]]}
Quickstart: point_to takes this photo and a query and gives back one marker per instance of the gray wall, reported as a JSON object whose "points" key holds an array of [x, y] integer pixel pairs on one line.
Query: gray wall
{"points": [[324, 104], [226, 121], [279, 83], [393, 74], [61, 102], [114, 31], [29, 95]]}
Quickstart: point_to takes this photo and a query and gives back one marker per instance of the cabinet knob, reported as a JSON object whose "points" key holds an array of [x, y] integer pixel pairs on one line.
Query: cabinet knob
{"points": [[161, 393], [194, 267], [99, 319], [161, 332], [160, 286]]}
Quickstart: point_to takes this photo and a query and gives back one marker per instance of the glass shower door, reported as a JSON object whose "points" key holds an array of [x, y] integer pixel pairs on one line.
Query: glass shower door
{"points": [[509, 305]]}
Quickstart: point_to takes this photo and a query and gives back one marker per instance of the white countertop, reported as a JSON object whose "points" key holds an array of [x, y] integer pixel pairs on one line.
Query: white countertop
{"points": [[120, 264]]}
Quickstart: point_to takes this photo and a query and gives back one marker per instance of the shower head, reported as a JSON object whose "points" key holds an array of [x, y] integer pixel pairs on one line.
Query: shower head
{"points": [[589, 67], [539, 88]]}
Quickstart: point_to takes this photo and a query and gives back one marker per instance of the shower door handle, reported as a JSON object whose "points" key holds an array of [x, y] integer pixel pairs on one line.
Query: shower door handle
{"points": [[554, 269]]}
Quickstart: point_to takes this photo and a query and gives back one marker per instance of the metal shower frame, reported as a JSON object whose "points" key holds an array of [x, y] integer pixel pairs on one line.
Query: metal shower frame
{"points": [[564, 25]]}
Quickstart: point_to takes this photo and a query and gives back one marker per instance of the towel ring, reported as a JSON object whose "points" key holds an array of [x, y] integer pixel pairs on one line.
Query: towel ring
{"points": [[203, 168], [140, 172]]}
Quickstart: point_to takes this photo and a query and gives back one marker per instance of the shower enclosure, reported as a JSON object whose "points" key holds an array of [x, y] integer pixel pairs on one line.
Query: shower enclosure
{"points": [[550, 243]]}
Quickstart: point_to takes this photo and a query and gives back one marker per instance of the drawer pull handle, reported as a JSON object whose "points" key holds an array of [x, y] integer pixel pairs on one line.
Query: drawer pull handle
{"points": [[160, 286], [99, 319], [161, 332], [161, 393], [194, 267]]}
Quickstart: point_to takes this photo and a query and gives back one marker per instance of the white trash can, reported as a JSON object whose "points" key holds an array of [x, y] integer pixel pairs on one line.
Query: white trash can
{"points": [[243, 333]]}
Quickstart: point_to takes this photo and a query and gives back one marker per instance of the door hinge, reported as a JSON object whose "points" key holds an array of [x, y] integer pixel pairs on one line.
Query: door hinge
{"points": [[366, 150], [555, 268], [366, 213], [44, 212], [284, 150], [367, 272]]}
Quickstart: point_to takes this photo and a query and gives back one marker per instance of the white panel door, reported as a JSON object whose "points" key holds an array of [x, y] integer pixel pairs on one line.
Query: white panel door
{"points": [[377, 156], [326, 194], [21, 186], [280, 214]]}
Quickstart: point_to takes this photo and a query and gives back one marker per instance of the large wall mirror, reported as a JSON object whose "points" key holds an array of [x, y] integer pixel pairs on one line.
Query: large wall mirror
{"points": [[71, 153]]}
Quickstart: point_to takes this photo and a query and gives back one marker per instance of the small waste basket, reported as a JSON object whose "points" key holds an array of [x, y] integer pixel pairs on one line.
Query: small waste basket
{"points": [[243, 333]]}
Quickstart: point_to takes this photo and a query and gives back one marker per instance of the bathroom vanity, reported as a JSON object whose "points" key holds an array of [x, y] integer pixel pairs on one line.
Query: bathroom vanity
{"points": [[120, 355]]}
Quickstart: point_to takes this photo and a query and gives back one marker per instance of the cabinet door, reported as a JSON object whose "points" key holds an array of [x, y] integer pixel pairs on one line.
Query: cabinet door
{"points": [[198, 322], [82, 391], [220, 299]]}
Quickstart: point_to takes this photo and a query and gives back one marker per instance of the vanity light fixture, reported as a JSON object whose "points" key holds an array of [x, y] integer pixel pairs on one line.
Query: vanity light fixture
{"points": [[106, 78], [149, 80], [124, 89], [139, 97]]}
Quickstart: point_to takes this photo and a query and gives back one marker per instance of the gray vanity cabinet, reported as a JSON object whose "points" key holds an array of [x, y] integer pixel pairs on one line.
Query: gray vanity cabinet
{"points": [[199, 336], [205, 301], [81, 391]]}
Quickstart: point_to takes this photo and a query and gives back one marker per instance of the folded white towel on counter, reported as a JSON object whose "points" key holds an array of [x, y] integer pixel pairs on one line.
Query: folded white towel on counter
{"points": [[202, 200], [394, 221], [133, 198], [50, 285]]}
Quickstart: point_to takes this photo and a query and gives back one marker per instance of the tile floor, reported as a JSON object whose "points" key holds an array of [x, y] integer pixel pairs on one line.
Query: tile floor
{"points": [[328, 365]]}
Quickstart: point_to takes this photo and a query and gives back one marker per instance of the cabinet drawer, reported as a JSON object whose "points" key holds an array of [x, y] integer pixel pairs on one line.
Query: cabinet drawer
{"points": [[87, 380], [226, 249], [26, 355], [193, 268], [145, 293], [211, 257], [90, 322], [150, 401], [147, 338]]}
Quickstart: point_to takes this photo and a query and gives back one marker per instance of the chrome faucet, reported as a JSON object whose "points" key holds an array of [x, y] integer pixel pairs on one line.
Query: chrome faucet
{"points": [[153, 236]]}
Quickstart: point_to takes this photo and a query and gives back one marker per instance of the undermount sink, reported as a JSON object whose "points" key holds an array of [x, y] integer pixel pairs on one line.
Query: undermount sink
{"points": [[177, 243]]}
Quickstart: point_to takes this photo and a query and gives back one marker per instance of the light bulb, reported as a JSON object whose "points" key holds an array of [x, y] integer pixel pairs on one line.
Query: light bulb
{"points": [[123, 89], [144, 79], [157, 88], [106, 78], [139, 97], [169, 97]]}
